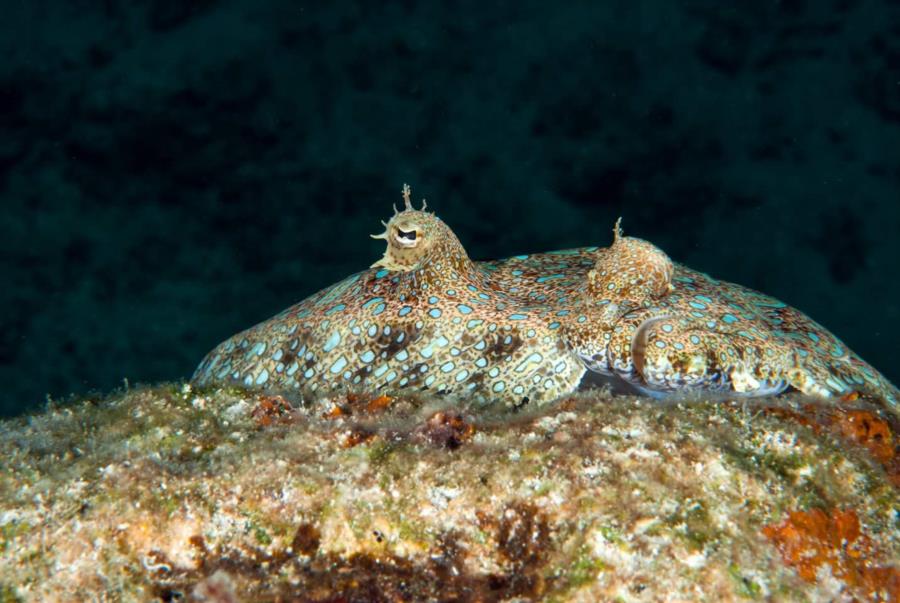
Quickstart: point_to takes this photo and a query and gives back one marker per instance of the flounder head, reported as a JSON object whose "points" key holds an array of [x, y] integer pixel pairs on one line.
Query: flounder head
{"points": [[630, 269], [416, 238]]}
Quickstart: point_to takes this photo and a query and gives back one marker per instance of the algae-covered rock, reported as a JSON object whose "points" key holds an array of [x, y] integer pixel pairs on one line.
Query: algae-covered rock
{"points": [[170, 493]]}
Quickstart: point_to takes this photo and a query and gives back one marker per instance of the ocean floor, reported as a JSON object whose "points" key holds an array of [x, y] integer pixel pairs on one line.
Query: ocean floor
{"points": [[170, 493]]}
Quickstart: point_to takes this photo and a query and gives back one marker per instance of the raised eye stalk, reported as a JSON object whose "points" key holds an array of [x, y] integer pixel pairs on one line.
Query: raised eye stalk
{"points": [[630, 269], [419, 242]]}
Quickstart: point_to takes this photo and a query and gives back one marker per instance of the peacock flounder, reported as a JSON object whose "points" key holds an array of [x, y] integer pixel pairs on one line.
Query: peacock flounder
{"points": [[532, 328]]}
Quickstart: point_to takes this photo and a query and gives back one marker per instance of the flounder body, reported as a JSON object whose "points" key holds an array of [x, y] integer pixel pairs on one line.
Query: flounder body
{"points": [[669, 331], [424, 316]]}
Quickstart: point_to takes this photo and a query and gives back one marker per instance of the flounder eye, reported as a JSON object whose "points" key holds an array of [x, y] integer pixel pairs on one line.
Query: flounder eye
{"points": [[406, 238]]}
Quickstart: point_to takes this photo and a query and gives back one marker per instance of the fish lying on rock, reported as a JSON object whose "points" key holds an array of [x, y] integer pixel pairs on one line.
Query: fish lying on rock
{"points": [[532, 328]]}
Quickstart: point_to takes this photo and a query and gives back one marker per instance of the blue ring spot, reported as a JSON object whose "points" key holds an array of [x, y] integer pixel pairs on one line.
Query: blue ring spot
{"points": [[771, 304], [372, 302], [338, 365], [337, 308], [544, 279]]}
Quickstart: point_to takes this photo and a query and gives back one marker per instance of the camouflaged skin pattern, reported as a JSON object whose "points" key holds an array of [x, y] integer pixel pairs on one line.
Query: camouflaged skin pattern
{"points": [[669, 330], [527, 328], [424, 316]]}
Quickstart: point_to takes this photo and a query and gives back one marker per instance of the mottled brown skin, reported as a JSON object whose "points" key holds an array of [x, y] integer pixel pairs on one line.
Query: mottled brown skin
{"points": [[669, 330], [523, 329], [424, 316]]}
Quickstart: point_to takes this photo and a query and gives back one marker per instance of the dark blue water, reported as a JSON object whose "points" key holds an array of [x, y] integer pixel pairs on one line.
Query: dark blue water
{"points": [[172, 172]]}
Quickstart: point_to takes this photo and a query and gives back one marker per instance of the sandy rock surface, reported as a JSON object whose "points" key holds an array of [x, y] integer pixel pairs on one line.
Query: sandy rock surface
{"points": [[169, 493]]}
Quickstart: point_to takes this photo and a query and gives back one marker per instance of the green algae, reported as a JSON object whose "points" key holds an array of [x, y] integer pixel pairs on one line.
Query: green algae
{"points": [[611, 534], [745, 587], [583, 568], [8, 594], [380, 452]]}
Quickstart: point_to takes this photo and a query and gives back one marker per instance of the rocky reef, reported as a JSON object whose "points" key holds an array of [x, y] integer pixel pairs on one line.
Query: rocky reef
{"points": [[170, 493]]}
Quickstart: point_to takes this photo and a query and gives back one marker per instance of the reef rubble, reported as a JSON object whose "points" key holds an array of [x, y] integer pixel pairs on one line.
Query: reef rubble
{"points": [[175, 493]]}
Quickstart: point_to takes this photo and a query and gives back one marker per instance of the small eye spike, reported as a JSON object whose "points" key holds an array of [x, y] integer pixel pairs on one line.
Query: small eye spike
{"points": [[407, 194], [617, 229], [424, 205], [381, 235]]}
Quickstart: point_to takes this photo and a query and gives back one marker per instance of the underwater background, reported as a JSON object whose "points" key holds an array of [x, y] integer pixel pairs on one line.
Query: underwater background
{"points": [[172, 172]]}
